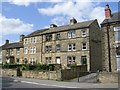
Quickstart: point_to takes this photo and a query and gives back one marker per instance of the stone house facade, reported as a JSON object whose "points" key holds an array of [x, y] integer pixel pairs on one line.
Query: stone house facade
{"points": [[13, 52], [76, 44], [110, 40]]}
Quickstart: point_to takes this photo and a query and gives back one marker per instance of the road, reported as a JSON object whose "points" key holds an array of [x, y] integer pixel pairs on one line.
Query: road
{"points": [[15, 83]]}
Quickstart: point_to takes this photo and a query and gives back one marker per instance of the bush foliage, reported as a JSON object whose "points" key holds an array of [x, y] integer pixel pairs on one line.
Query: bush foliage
{"points": [[49, 67]]}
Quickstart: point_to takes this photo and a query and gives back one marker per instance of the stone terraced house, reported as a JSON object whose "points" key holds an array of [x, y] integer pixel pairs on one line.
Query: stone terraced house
{"points": [[78, 43], [13, 52], [111, 46], [75, 43]]}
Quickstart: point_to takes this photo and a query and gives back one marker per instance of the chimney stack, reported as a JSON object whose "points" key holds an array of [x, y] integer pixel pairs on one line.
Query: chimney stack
{"points": [[73, 21], [53, 25], [107, 12], [7, 41], [22, 38]]}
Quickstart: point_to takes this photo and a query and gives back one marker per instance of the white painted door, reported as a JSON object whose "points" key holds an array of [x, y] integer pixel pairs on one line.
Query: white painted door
{"points": [[58, 60]]}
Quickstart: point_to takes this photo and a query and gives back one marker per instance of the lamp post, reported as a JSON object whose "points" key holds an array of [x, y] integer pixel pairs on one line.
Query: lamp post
{"points": [[108, 39]]}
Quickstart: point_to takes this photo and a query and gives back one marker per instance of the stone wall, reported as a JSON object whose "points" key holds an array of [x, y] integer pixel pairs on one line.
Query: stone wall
{"points": [[65, 74], [52, 75], [8, 72], [108, 77]]}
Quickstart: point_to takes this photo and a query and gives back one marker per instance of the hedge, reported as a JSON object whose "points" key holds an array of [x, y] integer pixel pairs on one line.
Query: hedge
{"points": [[50, 67]]}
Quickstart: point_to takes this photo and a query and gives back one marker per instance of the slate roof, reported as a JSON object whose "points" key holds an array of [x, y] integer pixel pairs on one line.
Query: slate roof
{"points": [[12, 45], [84, 24], [115, 17], [35, 33]]}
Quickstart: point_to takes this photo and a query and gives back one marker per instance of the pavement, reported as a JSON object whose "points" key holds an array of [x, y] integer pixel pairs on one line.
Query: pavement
{"points": [[17, 83]]}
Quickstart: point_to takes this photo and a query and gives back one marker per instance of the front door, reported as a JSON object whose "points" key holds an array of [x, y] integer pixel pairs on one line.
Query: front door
{"points": [[58, 60]]}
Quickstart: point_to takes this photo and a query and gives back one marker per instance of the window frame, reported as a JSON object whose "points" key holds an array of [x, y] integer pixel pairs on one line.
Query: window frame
{"points": [[84, 33], [33, 39], [25, 50], [57, 47], [71, 34], [84, 46], [58, 36], [26, 41], [116, 34], [72, 47], [71, 60], [48, 37]]}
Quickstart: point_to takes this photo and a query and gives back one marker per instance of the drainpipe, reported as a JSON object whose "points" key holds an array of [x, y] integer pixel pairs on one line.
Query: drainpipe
{"points": [[108, 39]]}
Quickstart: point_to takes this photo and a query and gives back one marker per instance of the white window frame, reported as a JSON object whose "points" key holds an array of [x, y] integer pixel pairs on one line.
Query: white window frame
{"points": [[116, 29], [84, 46], [34, 50], [33, 39], [26, 41], [69, 47], [32, 60], [25, 50], [72, 47], [71, 34], [58, 47], [83, 33], [71, 59]]}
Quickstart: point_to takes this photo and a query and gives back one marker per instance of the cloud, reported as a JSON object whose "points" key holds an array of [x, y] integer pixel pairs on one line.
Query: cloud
{"points": [[28, 2], [22, 3], [13, 26], [80, 10], [60, 20]]}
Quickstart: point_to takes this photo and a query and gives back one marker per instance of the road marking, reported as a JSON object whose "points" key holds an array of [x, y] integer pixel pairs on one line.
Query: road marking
{"points": [[47, 84]]}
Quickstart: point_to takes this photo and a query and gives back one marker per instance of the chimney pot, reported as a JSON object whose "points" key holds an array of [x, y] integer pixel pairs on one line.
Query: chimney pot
{"points": [[107, 12]]}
